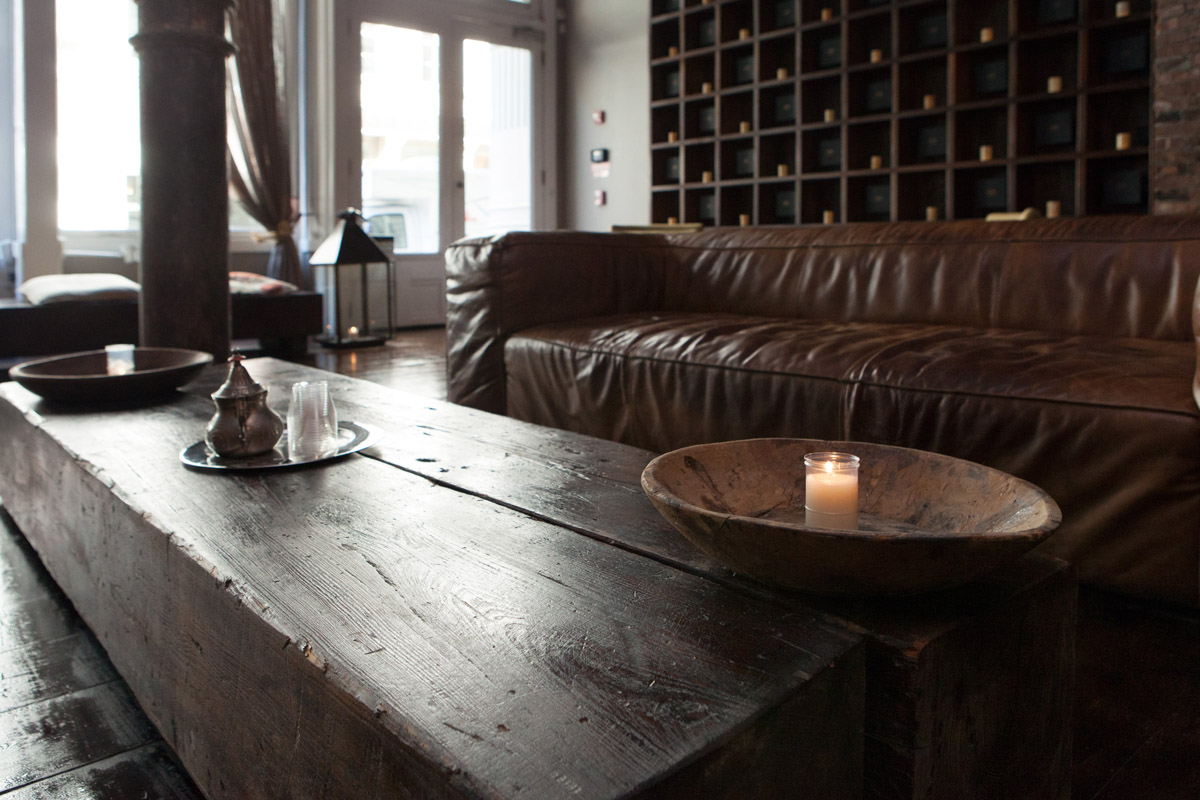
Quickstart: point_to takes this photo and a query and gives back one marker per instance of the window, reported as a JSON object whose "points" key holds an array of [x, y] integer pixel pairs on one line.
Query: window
{"points": [[98, 112]]}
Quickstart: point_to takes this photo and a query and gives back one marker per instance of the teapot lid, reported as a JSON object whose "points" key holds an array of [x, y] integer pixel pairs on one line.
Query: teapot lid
{"points": [[239, 383]]}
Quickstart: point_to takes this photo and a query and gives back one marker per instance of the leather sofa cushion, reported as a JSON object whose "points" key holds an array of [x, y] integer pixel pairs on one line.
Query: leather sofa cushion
{"points": [[1104, 425]]}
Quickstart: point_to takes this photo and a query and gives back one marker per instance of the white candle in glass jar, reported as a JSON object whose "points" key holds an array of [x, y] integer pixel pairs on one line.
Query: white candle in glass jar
{"points": [[831, 490]]}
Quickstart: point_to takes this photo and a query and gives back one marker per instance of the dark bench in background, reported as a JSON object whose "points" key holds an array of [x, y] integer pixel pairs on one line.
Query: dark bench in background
{"points": [[280, 322]]}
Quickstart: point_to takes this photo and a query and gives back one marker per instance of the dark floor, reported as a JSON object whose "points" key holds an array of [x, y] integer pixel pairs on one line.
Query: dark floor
{"points": [[69, 728]]}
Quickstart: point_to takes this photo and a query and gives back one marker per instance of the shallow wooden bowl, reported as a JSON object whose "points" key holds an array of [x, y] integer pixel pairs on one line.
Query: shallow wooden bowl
{"points": [[926, 521], [83, 377]]}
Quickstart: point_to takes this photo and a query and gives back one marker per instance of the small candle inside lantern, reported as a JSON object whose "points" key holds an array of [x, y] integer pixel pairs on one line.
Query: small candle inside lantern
{"points": [[352, 330], [831, 491]]}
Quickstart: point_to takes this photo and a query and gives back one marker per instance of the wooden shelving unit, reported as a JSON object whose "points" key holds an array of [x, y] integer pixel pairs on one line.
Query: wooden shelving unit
{"points": [[809, 111]]}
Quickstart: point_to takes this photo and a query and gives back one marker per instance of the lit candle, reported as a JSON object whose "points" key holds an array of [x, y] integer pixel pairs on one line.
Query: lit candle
{"points": [[119, 359], [353, 330], [831, 491]]}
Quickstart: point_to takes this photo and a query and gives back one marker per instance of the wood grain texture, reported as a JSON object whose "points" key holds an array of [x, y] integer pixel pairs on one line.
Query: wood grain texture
{"points": [[365, 628], [44, 739], [149, 772], [981, 633], [43, 669]]}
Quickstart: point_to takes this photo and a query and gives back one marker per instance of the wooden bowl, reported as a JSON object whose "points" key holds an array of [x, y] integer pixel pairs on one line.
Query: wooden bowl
{"points": [[83, 377], [926, 521]]}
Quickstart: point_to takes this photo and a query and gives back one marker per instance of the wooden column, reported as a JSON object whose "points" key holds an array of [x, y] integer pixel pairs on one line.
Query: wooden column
{"points": [[185, 195]]}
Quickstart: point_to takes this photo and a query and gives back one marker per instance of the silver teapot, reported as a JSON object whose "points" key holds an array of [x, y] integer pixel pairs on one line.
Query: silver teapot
{"points": [[244, 424]]}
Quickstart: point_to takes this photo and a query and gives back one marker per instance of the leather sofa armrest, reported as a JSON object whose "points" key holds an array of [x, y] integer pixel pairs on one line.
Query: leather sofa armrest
{"points": [[499, 285]]}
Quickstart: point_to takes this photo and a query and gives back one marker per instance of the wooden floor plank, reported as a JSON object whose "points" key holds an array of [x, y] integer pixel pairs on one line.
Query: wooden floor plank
{"points": [[46, 669], [21, 575], [149, 773], [43, 618], [44, 739]]}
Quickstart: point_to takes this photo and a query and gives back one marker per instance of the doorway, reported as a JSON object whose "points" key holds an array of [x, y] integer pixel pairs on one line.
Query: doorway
{"points": [[440, 140]]}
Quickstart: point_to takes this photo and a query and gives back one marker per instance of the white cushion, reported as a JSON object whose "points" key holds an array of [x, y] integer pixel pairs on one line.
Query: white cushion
{"points": [[253, 283], [79, 286]]}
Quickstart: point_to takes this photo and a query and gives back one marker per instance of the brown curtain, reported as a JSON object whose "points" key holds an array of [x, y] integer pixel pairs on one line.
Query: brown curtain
{"points": [[260, 164]]}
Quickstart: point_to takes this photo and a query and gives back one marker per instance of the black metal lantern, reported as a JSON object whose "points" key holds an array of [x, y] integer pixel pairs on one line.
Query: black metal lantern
{"points": [[348, 245]]}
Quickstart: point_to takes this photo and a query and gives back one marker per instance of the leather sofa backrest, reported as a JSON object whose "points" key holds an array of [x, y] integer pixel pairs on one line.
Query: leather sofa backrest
{"points": [[1108, 276]]}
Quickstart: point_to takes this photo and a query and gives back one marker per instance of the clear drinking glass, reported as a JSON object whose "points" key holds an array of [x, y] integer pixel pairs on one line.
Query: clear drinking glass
{"points": [[312, 423]]}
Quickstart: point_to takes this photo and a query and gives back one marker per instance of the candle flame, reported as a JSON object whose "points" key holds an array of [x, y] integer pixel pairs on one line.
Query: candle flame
{"points": [[829, 467]]}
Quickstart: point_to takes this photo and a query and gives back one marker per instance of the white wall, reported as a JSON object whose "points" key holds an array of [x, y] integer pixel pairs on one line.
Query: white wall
{"points": [[605, 66]]}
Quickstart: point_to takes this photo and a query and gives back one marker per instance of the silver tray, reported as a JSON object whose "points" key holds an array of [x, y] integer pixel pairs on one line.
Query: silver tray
{"points": [[352, 437]]}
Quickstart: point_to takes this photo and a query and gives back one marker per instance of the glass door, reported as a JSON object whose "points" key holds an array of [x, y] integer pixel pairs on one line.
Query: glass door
{"points": [[445, 142], [497, 138]]}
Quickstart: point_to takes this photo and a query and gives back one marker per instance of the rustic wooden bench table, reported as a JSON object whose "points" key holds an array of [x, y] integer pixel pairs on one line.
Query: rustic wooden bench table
{"points": [[477, 607]]}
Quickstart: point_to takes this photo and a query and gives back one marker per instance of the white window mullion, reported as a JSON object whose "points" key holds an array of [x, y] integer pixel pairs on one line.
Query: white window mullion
{"points": [[453, 205]]}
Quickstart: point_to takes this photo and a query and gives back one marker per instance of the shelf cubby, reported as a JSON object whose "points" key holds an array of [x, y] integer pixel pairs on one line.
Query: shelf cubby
{"points": [[1044, 60], [1035, 15], [777, 15], [868, 146], [981, 134], [820, 100], [1113, 115], [737, 202], [922, 84], [923, 139], [980, 190], [821, 150], [700, 29], [870, 92], [777, 203], [698, 163], [1116, 185], [980, 22], [982, 74], [777, 106], [777, 155], [700, 205], [819, 197], [869, 198], [1041, 182], [1047, 127], [870, 39], [918, 192], [737, 113], [923, 27], [819, 10]]}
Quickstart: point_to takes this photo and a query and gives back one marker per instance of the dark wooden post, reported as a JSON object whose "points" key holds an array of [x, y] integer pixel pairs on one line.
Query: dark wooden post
{"points": [[185, 197]]}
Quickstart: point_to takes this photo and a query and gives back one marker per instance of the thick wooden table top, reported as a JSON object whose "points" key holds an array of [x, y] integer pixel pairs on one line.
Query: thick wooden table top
{"points": [[495, 607]]}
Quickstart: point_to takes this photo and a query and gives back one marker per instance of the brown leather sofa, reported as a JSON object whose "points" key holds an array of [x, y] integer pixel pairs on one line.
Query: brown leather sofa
{"points": [[1061, 351]]}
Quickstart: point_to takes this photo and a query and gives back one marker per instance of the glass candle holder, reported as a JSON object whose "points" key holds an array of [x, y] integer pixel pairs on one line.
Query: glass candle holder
{"points": [[831, 491], [119, 358]]}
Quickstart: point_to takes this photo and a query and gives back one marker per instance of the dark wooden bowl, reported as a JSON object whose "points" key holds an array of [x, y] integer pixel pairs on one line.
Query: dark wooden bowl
{"points": [[926, 521], [83, 378]]}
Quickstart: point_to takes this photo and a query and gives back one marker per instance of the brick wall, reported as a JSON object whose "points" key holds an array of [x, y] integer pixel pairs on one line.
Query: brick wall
{"points": [[1175, 151]]}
